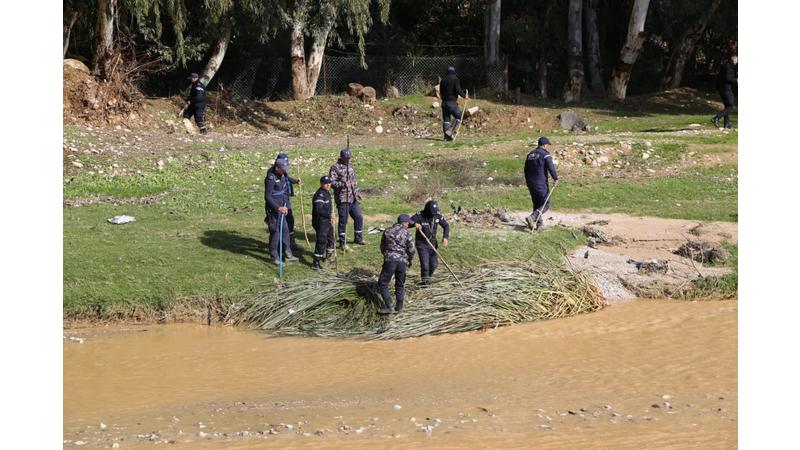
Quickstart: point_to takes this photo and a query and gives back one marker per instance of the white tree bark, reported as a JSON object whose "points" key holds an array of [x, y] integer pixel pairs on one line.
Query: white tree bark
{"points": [[305, 73], [104, 44], [621, 75], [596, 85], [572, 88], [218, 55], [681, 53]]}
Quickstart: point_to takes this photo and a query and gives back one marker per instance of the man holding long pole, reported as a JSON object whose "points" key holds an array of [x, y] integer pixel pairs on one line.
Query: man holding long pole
{"points": [[538, 164], [277, 205]]}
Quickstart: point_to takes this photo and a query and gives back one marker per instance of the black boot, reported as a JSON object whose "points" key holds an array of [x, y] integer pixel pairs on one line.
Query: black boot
{"points": [[316, 265], [715, 121], [398, 307]]}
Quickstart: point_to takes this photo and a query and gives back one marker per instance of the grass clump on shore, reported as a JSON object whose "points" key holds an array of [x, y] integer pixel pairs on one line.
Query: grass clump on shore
{"points": [[494, 294]]}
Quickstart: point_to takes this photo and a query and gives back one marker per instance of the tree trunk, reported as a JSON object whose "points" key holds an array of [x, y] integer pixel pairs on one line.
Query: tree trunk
{"points": [[572, 88], [212, 66], [596, 85], [305, 75], [630, 51], [104, 45], [299, 82], [677, 61], [542, 69], [491, 43], [73, 17]]}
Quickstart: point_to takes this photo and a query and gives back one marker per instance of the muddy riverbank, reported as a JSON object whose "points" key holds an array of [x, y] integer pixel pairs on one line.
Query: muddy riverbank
{"points": [[639, 374]]}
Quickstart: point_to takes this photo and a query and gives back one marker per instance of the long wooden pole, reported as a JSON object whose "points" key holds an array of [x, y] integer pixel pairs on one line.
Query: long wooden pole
{"points": [[303, 213], [440, 257], [458, 125]]}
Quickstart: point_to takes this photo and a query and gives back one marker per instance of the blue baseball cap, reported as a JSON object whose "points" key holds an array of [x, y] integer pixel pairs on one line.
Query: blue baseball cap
{"points": [[345, 153], [543, 140], [325, 180], [281, 163], [282, 156], [194, 75], [403, 218]]}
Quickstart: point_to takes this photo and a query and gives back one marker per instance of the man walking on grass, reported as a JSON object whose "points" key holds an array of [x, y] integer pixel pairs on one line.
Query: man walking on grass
{"points": [[347, 196], [538, 165], [450, 90], [398, 252], [727, 86], [196, 103]]}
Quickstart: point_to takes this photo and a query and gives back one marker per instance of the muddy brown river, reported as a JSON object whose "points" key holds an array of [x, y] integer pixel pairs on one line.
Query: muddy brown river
{"points": [[644, 374]]}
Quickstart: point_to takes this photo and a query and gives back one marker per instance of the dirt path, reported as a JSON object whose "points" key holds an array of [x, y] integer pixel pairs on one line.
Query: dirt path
{"points": [[640, 239]]}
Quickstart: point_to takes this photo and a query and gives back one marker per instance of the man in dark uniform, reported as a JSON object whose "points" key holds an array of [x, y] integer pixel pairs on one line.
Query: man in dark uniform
{"points": [[450, 90], [426, 222], [322, 220], [290, 216], [727, 85], [196, 103], [276, 204], [347, 197], [537, 165], [398, 252]]}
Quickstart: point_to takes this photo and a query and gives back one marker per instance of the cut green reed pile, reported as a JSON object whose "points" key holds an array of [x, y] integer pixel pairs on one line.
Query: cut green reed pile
{"points": [[493, 295]]}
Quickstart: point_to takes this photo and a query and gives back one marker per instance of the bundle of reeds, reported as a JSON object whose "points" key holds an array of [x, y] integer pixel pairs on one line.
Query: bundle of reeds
{"points": [[492, 295]]}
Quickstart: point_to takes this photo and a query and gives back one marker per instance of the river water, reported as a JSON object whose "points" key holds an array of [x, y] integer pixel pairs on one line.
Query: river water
{"points": [[640, 374]]}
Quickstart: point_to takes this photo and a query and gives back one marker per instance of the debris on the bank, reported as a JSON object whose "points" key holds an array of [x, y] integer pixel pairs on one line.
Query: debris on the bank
{"points": [[119, 220], [346, 305], [652, 266], [704, 252], [375, 230], [596, 236]]}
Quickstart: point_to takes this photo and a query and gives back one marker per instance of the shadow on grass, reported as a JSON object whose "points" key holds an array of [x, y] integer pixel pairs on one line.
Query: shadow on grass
{"points": [[234, 242]]}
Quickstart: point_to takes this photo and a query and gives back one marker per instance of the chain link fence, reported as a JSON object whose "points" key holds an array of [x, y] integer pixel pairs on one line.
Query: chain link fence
{"points": [[271, 77]]}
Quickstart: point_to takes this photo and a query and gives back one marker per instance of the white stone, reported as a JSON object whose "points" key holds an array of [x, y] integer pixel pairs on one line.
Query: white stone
{"points": [[379, 129]]}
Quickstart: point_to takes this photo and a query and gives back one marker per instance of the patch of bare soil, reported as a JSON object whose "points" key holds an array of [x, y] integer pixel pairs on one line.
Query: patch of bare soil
{"points": [[639, 251], [90, 100]]}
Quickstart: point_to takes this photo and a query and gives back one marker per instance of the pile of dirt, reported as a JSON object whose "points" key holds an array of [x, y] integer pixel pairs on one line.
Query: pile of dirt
{"points": [[91, 100], [703, 252], [480, 218]]}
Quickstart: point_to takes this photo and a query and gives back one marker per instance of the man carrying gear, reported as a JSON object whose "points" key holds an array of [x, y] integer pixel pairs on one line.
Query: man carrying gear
{"points": [[398, 253], [347, 197], [196, 103], [276, 204], [727, 84], [290, 216], [322, 221], [426, 222], [537, 165], [450, 90]]}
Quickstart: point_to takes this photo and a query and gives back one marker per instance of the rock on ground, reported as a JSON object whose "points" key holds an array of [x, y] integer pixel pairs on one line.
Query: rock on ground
{"points": [[704, 252], [392, 92], [570, 120], [368, 95], [354, 89]]}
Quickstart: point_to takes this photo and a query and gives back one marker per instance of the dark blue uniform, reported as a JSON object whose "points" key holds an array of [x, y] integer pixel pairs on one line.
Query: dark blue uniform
{"points": [[538, 165], [321, 221], [276, 194], [450, 90], [429, 221], [197, 105], [290, 214], [727, 86]]}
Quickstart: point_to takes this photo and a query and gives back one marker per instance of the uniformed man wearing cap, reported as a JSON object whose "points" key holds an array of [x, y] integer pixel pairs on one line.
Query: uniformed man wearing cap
{"points": [[276, 204], [398, 252], [427, 222], [347, 197], [322, 221], [290, 216], [538, 164], [196, 103]]}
